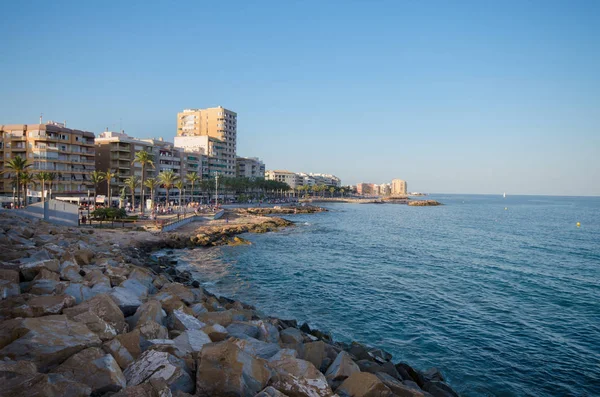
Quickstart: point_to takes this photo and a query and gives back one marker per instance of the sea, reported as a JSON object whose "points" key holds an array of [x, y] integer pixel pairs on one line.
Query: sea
{"points": [[501, 294]]}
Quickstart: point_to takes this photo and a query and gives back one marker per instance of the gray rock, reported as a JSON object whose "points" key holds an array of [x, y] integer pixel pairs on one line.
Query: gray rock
{"points": [[267, 332], [139, 289], [127, 301], [291, 336], [124, 348], [439, 389], [43, 287], [78, 291], [198, 308], [216, 332], [295, 377], [340, 369], [149, 311], [283, 354], [256, 347], [191, 341], [143, 277], [237, 328], [397, 387], [153, 364], [8, 289], [101, 315], [363, 384], [70, 271], [178, 320], [270, 392]]}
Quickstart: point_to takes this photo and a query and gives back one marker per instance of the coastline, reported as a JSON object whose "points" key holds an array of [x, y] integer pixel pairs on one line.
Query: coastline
{"points": [[101, 267]]}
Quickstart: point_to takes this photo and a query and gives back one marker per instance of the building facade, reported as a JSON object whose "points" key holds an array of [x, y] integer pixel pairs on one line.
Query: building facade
{"points": [[214, 150], [250, 167], [399, 187], [218, 123], [291, 178], [50, 147], [366, 189]]}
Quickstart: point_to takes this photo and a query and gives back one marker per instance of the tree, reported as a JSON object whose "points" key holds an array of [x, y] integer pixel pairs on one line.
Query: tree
{"points": [[179, 185], [168, 179], [152, 184], [42, 177], [342, 191], [192, 178], [144, 158], [109, 176], [96, 177], [131, 183], [52, 176], [26, 180], [18, 165], [332, 190]]}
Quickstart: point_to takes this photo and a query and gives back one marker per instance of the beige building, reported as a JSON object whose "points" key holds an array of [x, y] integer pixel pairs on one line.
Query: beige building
{"points": [[250, 167], [50, 147], [215, 151], [218, 123], [291, 178], [366, 189], [399, 187]]}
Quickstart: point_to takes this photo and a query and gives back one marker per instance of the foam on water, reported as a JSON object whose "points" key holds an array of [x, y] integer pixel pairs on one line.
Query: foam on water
{"points": [[505, 302]]}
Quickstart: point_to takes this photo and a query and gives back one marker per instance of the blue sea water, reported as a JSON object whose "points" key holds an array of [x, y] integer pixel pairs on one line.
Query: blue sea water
{"points": [[506, 302]]}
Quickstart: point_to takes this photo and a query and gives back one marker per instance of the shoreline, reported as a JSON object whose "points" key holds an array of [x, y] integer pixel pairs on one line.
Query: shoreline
{"points": [[135, 316]]}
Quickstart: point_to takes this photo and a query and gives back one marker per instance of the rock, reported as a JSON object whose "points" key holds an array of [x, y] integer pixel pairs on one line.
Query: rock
{"points": [[216, 332], [151, 330], [143, 277], [116, 274], [214, 305], [198, 308], [161, 281], [8, 289], [398, 388], [139, 289], [43, 287], [101, 315], [267, 332], [341, 368], [124, 348], [315, 353], [224, 369], [94, 368], [291, 336], [408, 373], [96, 277], [283, 354], [31, 269], [369, 366], [238, 327], [149, 311], [174, 304], [20, 378], [83, 256], [151, 388], [360, 351], [298, 378], [379, 355], [181, 321], [222, 318], [127, 301], [363, 384], [45, 274], [9, 275], [433, 374], [45, 341], [191, 341], [69, 271], [256, 347], [439, 389], [153, 364], [37, 306], [270, 392], [78, 291], [176, 290]]}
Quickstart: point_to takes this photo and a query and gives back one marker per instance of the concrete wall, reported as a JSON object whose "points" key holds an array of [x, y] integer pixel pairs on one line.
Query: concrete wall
{"points": [[59, 212]]}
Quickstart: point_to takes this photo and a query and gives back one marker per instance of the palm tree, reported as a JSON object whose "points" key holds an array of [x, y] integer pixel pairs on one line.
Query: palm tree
{"points": [[179, 185], [151, 183], [168, 179], [52, 176], [144, 158], [132, 183], [332, 190], [109, 176], [42, 177], [26, 179], [342, 191], [96, 177], [192, 178], [18, 165]]}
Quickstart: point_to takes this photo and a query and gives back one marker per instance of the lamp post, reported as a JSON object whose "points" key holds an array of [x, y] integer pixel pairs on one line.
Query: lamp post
{"points": [[216, 190], [14, 198], [88, 204]]}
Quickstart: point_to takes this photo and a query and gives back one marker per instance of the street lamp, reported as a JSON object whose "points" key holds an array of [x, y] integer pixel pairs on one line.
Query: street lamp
{"points": [[88, 204], [216, 190]]}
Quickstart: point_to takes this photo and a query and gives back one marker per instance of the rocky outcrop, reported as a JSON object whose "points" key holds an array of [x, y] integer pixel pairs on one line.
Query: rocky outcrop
{"points": [[423, 203], [153, 364]]}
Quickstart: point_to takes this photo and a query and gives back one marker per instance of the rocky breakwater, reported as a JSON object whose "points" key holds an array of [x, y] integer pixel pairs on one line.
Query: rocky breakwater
{"points": [[423, 203], [80, 316], [309, 209]]}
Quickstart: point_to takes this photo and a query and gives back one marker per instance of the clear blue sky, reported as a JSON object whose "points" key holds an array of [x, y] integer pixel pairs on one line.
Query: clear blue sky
{"points": [[456, 97]]}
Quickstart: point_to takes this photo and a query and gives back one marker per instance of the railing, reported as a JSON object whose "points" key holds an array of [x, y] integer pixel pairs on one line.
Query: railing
{"points": [[167, 225]]}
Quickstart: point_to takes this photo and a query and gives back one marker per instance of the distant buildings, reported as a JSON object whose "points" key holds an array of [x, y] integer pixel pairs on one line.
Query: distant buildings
{"points": [[365, 189], [249, 167], [294, 180], [291, 178], [399, 187], [396, 188]]}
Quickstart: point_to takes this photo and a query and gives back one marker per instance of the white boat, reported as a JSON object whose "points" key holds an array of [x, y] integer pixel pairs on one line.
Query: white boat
{"points": [[504, 194]]}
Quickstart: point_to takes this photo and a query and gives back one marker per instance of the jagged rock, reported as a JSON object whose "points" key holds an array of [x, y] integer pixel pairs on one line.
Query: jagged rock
{"points": [[94, 368], [124, 348], [397, 387], [160, 281], [283, 354], [176, 290], [267, 332], [405, 369], [35, 306], [83, 256], [20, 378], [369, 366], [198, 308], [69, 271], [341, 368], [256, 347], [380, 355], [153, 364], [433, 374], [237, 327], [139, 289], [363, 384], [127, 301], [411, 385], [292, 336], [30, 269], [9, 275], [116, 275], [439, 389], [270, 391], [315, 353], [9, 288], [298, 378], [46, 341], [149, 311], [143, 277], [222, 318], [101, 315], [96, 277], [214, 305], [151, 330], [151, 388], [224, 369], [44, 287], [78, 291], [360, 351], [181, 321], [216, 332], [45, 274], [191, 341], [171, 304]]}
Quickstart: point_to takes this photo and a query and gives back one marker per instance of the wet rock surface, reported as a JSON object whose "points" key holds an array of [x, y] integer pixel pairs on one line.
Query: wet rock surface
{"points": [[80, 316]]}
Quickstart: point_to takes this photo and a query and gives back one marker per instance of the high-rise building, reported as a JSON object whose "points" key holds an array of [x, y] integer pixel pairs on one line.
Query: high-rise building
{"points": [[366, 189], [50, 147], [218, 123], [250, 167], [291, 178], [399, 187], [214, 150]]}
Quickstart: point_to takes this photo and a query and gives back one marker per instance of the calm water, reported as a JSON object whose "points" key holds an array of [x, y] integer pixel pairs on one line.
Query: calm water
{"points": [[504, 302]]}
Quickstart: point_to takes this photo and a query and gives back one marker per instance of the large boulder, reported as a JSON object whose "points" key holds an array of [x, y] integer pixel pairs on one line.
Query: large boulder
{"points": [[127, 301], [26, 305], [246, 328], [78, 291], [315, 353], [267, 332], [20, 378], [144, 277], [299, 378], [439, 389], [94, 368], [139, 289], [125, 348], [180, 321], [225, 369], [151, 330], [154, 364], [341, 368], [363, 384], [31, 269], [191, 341], [151, 388], [45, 341], [270, 391], [398, 388], [101, 315], [291, 336], [409, 373], [216, 332], [69, 271], [178, 291], [255, 347], [149, 311]]}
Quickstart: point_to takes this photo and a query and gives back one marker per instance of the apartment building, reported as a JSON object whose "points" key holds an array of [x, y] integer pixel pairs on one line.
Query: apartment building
{"points": [[218, 123], [250, 167], [399, 187], [326, 179], [214, 150], [366, 189], [50, 147], [291, 178]]}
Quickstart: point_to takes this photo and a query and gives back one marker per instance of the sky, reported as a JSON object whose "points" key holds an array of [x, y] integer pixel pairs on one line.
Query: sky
{"points": [[454, 97]]}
